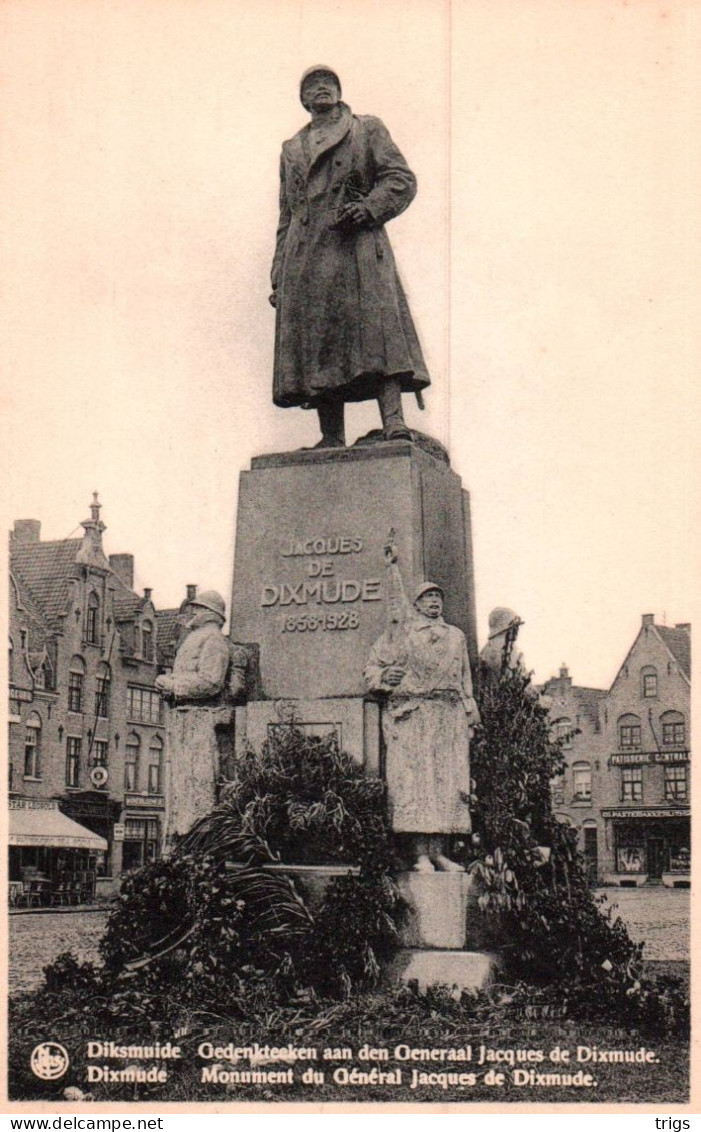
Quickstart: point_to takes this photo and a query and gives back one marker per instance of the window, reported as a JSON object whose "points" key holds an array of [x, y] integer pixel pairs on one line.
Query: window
{"points": [[32, 747], [563, 731], [629, 733], [102, 692], [92, 620], [155, 760], [141, 841], [147, 641], [76, 678], [557, 789], [143, 705], [673, 729], [632, 784], [99, 752], [73, 749], [676, 783], [131, 763], [581, 773], [649, 682]]}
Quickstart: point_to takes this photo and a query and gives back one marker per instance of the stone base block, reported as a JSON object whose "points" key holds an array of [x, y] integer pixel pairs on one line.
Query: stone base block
{"points": [[355, 722], [626, 880], [676, 880], [459, 970], [437, 908]]}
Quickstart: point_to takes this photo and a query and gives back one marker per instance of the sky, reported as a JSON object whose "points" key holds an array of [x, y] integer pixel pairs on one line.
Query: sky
{"points": [[549, 261]]}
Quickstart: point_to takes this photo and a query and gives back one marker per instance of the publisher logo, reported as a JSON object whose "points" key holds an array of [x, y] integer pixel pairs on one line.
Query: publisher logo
{"points": [[49, 1061]]}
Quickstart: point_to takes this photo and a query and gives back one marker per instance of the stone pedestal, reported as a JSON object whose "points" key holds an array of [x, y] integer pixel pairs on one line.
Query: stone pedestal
{"points": [[309, 592], [458, 970], [443, 920], [199, 738], [309, 576], [437, 908]]}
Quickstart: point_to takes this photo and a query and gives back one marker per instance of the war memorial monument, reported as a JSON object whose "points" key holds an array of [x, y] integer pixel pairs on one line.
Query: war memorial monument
{"points": [[353, 597]]}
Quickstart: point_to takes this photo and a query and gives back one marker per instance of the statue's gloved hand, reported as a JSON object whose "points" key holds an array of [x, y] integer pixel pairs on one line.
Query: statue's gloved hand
{"points": [[272, 299], [164, 685], [393, 675], [354, 215]]}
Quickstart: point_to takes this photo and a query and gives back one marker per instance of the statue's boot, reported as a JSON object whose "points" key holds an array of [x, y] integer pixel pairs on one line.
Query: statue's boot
{"points": [[389, 398], [423, 863], [444, 864], [333, 431]]}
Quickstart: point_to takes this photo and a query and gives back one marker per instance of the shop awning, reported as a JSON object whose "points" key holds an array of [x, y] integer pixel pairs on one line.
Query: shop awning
{"points": [[51, 829]]}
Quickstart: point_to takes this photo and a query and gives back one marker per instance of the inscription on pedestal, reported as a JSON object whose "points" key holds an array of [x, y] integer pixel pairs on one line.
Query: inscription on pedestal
{"points": [[309, 569]]}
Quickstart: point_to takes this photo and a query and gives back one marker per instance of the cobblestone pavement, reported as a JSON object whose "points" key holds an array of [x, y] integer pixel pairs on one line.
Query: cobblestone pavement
{"points": [[37, 938], [658, 916]]}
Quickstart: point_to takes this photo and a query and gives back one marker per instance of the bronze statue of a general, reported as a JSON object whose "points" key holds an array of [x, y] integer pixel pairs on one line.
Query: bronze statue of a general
{"points": [[343, 327]]}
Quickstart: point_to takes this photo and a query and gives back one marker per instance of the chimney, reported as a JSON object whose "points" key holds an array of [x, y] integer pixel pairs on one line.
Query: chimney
{"points": [[27, 532], [123, 566], [648, 619], [147, 593], [190, 592], [565, 674], [684, 625]]}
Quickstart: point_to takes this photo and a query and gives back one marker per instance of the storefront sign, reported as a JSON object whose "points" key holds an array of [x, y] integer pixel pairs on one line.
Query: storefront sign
{"points": [[118, 831], [21, 695], [635, 758], [680, 813], [671, 756], [150, 801]]}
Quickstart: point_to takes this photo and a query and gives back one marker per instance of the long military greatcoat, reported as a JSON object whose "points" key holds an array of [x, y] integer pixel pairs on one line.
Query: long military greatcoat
{"points": [[426, 725], [343, 322]]}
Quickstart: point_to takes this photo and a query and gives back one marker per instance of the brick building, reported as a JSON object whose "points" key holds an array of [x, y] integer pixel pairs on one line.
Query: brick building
{"points": [[87, 742], [626, 786], [646, 793], [576, 716]]}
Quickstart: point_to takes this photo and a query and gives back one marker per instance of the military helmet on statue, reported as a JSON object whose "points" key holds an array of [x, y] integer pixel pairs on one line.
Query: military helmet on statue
{"points": [[210, 599], [317, 69], [501, 619], [427, 588]]}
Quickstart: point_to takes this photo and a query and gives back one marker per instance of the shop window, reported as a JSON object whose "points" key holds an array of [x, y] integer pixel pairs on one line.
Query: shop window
{"points": [[648, 677], [147, 651], [155, 766], [73, 752], [144, 705], [629, 733], [676, 787], [632, 784], [630, 859], [99, 752], [131, 763], [102, 692], [141, 842], [581, 773], [92, 620], [673, 729], [32, 747], [76, 679]]}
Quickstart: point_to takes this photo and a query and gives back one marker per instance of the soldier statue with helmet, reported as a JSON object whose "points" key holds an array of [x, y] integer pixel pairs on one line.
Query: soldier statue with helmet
{"points": [[343, 329], [209, 676]]}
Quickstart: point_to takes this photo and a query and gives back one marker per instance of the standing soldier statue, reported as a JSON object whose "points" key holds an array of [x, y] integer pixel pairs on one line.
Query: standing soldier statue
{"points": [[421, 663], [209, 675], [343, 327]]}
